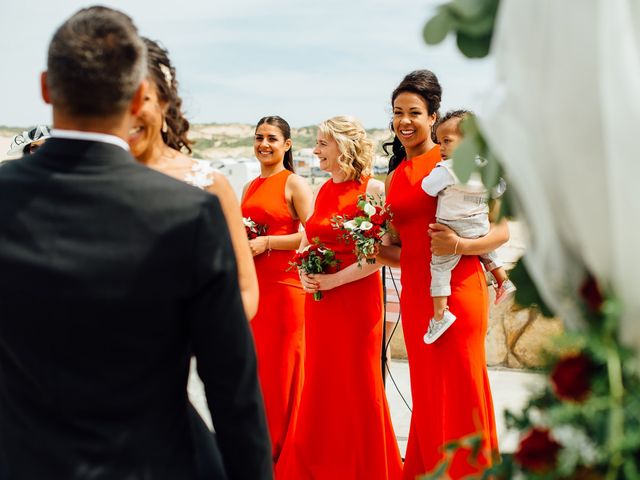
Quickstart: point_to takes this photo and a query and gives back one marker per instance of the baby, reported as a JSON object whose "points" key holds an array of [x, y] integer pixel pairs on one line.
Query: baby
{"points": [[464, 208]]}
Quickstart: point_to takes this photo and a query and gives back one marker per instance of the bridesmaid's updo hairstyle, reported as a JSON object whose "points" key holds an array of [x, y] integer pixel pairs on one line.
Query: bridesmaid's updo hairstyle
{"points": [[425, 84], [163, 75], [282, 125], [356, 150]]}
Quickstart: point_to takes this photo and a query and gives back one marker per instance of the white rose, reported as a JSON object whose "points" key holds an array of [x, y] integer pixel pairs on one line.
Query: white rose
{"points": [[366, 225], [247, 221], [369, 209]]}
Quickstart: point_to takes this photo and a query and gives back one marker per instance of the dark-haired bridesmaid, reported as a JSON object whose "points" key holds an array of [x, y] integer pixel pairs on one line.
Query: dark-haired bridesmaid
{"points": [[278, 201], [449, 381]]}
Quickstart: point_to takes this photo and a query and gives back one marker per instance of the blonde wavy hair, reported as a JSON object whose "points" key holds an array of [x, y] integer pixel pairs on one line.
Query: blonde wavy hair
{"points": [[356, 150]]}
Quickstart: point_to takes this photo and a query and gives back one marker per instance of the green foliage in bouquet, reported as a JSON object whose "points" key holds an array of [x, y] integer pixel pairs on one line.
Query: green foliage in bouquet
{"points": [[315, 258]]}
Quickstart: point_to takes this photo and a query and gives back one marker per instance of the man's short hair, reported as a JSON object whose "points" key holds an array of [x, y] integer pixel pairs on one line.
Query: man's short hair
{"points": [[96, 62]]}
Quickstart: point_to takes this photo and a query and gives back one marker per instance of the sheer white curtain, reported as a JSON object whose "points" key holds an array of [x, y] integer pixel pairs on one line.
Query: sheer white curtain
{"points": [[565, 120]]}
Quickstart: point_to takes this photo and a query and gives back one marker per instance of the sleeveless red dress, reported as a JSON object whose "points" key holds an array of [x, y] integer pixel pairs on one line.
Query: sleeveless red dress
{"points": [[344, 429], [278, 327], [449, 381]]}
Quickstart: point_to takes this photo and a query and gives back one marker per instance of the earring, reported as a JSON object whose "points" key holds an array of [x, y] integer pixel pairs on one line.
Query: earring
{"points": [[165, 127]]}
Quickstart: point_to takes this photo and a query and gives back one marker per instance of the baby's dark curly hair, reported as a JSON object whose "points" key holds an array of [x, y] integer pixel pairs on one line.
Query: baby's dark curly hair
{"points": [[163, 75], [459, 114]]}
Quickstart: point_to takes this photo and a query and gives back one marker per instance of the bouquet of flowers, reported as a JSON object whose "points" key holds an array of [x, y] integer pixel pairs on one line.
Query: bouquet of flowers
{"points": [[253, 229], [366, 229], [316, 258]]}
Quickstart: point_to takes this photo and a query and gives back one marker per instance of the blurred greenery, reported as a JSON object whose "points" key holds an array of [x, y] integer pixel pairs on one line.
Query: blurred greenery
{"points": [[303, 137], [471, 21]]}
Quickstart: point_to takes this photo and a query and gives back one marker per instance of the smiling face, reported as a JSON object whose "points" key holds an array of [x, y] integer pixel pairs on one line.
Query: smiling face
{"points": [[269, 145], [145, 133], [328, 152], [449, 137], [412, 123]]}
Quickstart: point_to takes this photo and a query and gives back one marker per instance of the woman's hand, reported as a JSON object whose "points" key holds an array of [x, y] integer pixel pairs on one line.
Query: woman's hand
{"points": [[309, 285], [323, 281], [258, 245], [444, 241]]}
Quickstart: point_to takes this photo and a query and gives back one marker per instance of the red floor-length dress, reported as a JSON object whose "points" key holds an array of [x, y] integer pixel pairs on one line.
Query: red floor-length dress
{"points": [[449, 381], [344, 429], [278, 327]]}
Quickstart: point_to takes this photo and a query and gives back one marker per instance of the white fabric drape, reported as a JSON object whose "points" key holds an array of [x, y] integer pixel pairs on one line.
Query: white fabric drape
{"points": [[564, 118]]}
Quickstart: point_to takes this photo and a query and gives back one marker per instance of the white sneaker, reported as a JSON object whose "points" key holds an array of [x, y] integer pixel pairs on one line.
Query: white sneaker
{"points": [[438, 327], [505, 291]]}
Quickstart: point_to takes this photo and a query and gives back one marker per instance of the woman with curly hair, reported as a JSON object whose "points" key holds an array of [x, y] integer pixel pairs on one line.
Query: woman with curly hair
{"points": [[158, 139], [449, 382], [344, 429]]}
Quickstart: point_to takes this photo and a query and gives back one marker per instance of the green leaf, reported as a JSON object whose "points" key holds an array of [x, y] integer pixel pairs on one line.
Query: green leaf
{"points": [[464, 158], [481, 26], [527, 294], [469, 9], [469, 126], [438, 27], [506, 204], [473, 47], [491, 172]]}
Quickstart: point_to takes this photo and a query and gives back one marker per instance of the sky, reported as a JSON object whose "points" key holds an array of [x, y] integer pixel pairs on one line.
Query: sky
{"points": [[239, 60]]}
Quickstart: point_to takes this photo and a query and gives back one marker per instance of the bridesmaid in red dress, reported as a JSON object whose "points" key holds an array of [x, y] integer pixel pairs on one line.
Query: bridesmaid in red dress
{"points": [[449, 382], [344, 429], [278, 199]]}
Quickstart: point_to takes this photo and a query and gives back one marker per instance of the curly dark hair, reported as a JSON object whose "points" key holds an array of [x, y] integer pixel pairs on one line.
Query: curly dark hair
{"points": [[282, 125], [163, 74], [425, 84], [459, 114]]}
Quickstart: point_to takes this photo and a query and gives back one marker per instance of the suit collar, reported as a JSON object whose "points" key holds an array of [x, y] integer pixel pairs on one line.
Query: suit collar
{"points": [[90, 136], [71, 154]]}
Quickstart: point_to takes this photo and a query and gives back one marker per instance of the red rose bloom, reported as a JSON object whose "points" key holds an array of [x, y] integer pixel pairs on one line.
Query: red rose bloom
{"points": [[590, 292], [369, 233], [377, 219], [571, 377], [333, 268], [537, 451]]}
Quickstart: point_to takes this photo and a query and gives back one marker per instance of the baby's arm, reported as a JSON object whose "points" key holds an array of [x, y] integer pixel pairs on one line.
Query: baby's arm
{"points": [[437, 180]]}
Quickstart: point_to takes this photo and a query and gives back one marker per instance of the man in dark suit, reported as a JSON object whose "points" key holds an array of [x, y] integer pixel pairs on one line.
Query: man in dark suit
{"points": [[111, 275]]}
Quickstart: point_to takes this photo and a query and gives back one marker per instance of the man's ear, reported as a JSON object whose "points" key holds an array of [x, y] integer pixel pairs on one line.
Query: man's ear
{"points": [[138, 98], [44, 89]]}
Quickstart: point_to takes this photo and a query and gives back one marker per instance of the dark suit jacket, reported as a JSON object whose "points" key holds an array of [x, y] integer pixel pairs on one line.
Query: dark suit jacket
{"points": [[111, 274]]}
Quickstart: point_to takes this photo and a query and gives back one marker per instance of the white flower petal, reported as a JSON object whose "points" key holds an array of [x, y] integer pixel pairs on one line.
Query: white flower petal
{"points": [[369, 209]]}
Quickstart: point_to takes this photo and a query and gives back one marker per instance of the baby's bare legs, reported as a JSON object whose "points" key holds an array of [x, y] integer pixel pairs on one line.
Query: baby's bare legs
{"points": [[500, 274], [439, 306]]}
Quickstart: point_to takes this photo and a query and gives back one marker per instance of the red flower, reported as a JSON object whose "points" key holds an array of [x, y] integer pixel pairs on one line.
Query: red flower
{"points": [[332, 268], [571, 377], [590, 292], [377, 219], [537, 451]]}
